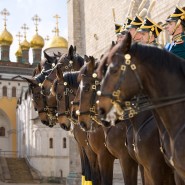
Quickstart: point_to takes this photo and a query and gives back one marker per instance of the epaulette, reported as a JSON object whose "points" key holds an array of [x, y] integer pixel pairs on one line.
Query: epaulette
{"points": [[178, 39]]}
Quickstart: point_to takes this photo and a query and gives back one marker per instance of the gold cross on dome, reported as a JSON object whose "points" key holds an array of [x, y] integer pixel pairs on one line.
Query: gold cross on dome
{"points": [[19, 36], [54, 30], [5, 13], [47, 38], [57, 29], [25, 28], [36, 19]]}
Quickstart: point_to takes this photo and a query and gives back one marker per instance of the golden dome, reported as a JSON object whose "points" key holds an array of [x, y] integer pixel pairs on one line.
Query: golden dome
{"points": [[6, 38], [58, 42], [18, 52], [37, 41], [25, 45]]}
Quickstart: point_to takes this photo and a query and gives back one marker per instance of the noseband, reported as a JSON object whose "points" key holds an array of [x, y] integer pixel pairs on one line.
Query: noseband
{"points": [[67, 92]]}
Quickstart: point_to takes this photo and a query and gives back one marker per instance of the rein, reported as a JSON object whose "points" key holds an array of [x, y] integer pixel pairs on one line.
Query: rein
{"points": [[135, 107]]}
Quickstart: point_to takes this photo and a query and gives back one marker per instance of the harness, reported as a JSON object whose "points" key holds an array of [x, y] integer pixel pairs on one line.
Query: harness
{"points": [[137, 105], [67, 93], [92, 110]]}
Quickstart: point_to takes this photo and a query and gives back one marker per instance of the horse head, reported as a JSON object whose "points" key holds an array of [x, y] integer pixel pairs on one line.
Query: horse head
{"points": [[118, 60], [87, 114], [61, 90], [66, 62]]}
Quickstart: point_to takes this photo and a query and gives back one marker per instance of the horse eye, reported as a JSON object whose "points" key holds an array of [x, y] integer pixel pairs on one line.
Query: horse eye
{"points": [[59, 96], [87, 87], [113, 70]]}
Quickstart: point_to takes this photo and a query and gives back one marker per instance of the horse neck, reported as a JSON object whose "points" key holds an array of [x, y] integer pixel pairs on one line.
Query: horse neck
{"points": [[161, 84]]}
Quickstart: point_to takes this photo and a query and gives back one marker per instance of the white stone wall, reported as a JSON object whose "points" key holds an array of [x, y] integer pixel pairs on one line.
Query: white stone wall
{"points": [[33, 142]]}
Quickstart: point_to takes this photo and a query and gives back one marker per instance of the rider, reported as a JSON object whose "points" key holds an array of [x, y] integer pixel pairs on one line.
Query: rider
{"points": [[119, 33], [176, 28], [135, 24], [150, 31], [123, 30]]}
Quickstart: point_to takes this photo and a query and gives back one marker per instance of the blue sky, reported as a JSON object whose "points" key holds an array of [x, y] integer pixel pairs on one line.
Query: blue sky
{"points": [[22, 11]]}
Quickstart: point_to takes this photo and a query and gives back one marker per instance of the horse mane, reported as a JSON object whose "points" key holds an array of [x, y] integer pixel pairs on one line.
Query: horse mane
{"points": [[79, 59], [71, 78], [159, 58]]}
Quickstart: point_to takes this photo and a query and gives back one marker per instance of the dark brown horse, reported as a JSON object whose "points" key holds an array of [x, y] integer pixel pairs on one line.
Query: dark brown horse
{"points": [[65, 89], [67, 62], [158, 74], [114, 137]]}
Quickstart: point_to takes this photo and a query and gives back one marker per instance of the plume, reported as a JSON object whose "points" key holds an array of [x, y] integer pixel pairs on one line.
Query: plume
{"points": [[141, 6], [113, 13], [130, 8], [143, 13], [152, 4]]}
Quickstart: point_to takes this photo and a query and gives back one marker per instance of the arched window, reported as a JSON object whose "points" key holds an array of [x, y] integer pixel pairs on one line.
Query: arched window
{"points": [[4, 91], [2, 131], [64, 143], [13, 91], [50, 142]]}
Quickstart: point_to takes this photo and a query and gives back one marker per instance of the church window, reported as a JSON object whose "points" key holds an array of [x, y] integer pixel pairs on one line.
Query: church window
{"points": [[13, 91], [4, 91], [2, 131], [50, 142], [64, 143]]}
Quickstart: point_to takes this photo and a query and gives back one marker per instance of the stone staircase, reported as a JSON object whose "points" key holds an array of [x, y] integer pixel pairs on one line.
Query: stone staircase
{"points": [[16, 170]]}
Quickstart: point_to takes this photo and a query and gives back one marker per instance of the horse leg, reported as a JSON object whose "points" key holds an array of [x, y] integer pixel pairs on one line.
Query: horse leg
{"points": [[129, 168], [106, 161], [93, 161]]}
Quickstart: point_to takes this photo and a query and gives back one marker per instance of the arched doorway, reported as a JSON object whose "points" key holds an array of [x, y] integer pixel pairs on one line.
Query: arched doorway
{"points": [[5, 137]]}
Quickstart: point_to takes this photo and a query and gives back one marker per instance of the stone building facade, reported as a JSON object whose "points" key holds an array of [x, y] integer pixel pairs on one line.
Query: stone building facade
{"points": [[91, 23]]}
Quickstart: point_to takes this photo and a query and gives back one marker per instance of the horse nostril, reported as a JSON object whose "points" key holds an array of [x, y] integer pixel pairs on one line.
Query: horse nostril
{"points": [[63, 126], [101, 111], [106, 123], [83, 125], [74, 116], [45, 123]]}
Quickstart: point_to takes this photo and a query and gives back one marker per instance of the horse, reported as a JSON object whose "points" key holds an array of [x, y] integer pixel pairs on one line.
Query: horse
{"points": [[65, 87], [152, 71], [67, 62], [114, 136]]}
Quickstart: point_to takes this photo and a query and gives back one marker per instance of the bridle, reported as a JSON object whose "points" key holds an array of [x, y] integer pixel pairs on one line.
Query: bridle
{"points": [[50, 111], [137, 105], [67, 93], [92, 112]]}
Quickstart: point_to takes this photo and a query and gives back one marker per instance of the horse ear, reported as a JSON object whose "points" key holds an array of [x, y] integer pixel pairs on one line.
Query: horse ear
{"points": [[70, 52], [91, 65], [86, 58], [47, 56], [113, 44], [74, 50], [39, 67], [126, 43], [30, 81]]}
